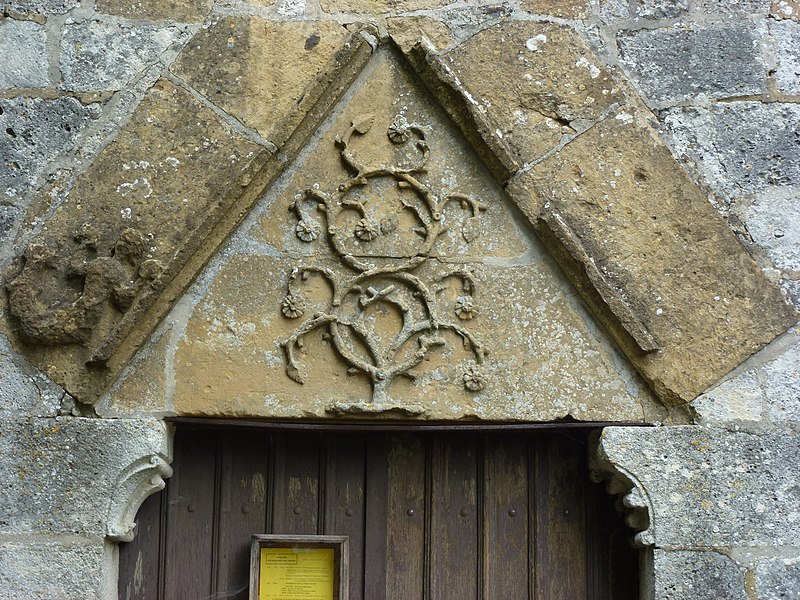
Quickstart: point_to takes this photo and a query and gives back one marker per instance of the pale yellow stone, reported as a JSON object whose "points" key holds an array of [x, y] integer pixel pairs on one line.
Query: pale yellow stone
{"points": [[566, 9], [372, 7], [257, 70], [406, 31], [186, 11]]}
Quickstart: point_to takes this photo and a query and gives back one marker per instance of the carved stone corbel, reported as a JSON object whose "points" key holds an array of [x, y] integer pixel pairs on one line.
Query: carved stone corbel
{"points": [[139, 480]]}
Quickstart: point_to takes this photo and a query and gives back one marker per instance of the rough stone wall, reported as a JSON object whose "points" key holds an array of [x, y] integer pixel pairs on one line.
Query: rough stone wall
{"points": [[722, 497]]}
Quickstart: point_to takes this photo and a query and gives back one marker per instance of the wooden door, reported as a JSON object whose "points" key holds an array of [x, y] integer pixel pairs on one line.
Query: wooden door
{"points": [[430, 516]]}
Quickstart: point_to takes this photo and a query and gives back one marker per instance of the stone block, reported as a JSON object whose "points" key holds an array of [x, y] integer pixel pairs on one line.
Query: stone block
{"points": [[372, 7], [25, 390], [536, 81], [67, 567], [105, 55], [785, 9], [257, 71], [710, 487], [34, 131], [565, 9], [786, 39], [67, 475], [697, 575], [41, 7], [782, 386], [656, 253], [778, 578], [183, 11], [406, 31], [740, 399], [687, 61], [23, 46], [739, 147], [732, 8], [771, 221], [660, 9]]}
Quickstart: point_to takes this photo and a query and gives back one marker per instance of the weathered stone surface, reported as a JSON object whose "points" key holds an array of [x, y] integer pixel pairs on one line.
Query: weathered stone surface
{"points": [[660, 9], [509, 345], [771, 221], [125, 230], [660, 250], [714, 8], [710, 487], [778, 579], [41, 7], [683, 62], [257, 70], [379, 6], [566, 9], [533, 80], [23, 389], [782, 386], [406, 31], [23, 45], [62, 475], [740, 399], [106, 55], [611, 10], [740, 147], [785, 9], [67, 567], [34, 131], [697, 575], [786, 37], [185, 11]]}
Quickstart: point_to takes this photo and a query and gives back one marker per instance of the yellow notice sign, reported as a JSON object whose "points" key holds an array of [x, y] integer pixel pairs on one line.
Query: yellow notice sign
{"points": [[296, 574]]}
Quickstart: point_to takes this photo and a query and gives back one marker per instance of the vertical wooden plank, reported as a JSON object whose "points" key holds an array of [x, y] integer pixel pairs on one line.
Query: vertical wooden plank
{"points": [[139, 559], [189, 544], [295, 506], [375, 534], [505, 514], [560, 562], [242, 510], [454, 518], [344, 501], [597, 545], [405, 519]]}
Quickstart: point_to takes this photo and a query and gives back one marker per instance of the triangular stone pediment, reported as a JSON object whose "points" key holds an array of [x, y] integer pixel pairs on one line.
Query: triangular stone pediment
{"points": [[391, 267]]}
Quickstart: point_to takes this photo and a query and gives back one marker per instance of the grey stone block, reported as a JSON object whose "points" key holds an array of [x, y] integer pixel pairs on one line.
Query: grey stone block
{"points": [[782, 386], [33, 131], [661, 9], [772, 221], [778, 579], [740, 147], [716, 8], [24, 390], [41, 7], [684, 62], [786, 38], [23, 46], [106, 55], [697, 575], [56, 567], [710, 487], [75, 475]]}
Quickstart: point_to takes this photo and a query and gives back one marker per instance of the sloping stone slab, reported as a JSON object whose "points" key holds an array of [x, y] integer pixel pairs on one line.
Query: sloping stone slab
{"points": [[151, 209]]}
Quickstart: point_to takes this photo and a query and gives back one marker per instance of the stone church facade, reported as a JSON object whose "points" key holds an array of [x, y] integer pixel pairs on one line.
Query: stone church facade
{"points": [[405, 212]]}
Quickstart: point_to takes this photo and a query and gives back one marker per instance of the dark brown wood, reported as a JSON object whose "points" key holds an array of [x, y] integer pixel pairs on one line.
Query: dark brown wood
{"points": [[242, 508], [430, 515], [505, 513], [560, 534], [295, 508], [139, 563], [344, 506], [405, 519], [190, 518], [454, 519]]}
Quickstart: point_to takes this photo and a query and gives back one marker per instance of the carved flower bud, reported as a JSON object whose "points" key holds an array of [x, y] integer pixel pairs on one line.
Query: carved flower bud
{"points": [[398, 131], [474, 380], [151, 269], [367, 230], [465, 308], [306, 230], [293, 305], [388, 225]]}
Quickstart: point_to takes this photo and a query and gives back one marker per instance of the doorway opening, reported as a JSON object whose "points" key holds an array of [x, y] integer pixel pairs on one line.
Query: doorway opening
{"points": [[430, 515]]}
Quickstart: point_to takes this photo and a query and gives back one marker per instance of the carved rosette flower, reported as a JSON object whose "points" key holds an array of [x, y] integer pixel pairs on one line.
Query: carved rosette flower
{"points": [[388, 225], [367, 230], [294, 305], [465, 308], [398, 131], [306, 230], [474, 379]]}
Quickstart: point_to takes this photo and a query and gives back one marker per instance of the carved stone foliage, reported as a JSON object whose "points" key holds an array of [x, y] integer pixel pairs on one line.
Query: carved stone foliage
{"points": [[382, 223]]}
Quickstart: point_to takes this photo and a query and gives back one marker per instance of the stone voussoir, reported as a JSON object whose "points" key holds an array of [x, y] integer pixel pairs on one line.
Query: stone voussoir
{"points": [[670, 269]]}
